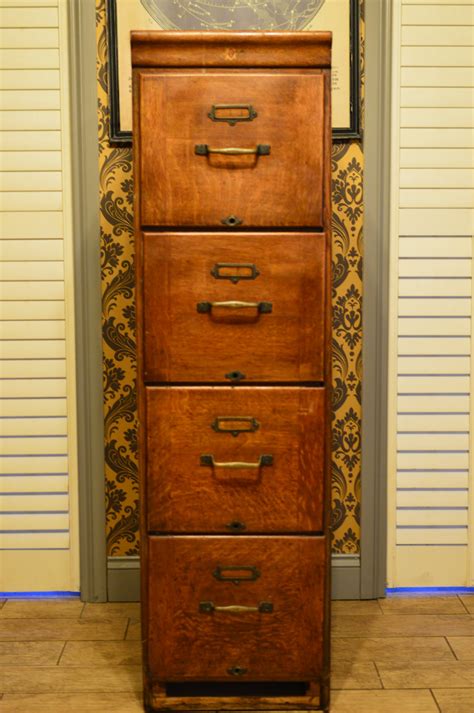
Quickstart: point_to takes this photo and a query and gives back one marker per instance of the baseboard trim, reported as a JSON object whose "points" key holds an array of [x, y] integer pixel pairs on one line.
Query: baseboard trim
{"points": [[345, 572], [123, 578]]}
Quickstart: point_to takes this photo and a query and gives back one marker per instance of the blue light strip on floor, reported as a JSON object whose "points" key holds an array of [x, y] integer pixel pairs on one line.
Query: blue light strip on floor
{"points": [[39, 595], [430, 590]]}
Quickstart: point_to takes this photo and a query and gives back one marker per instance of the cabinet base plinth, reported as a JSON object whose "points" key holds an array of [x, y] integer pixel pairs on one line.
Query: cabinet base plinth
{"points": [[157, 701]]}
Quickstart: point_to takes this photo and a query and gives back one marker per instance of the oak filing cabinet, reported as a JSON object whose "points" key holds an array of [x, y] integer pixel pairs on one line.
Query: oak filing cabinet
{"points": [[232, 139]]}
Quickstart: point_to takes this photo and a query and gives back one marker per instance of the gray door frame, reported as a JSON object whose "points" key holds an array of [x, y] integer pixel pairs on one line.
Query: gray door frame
{"points": [[354, 577], [378, 33], [87, 297], [364, 576]]}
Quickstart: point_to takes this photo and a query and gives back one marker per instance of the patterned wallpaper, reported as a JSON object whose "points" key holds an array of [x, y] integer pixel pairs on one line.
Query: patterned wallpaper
{"points": [[117, 254]]}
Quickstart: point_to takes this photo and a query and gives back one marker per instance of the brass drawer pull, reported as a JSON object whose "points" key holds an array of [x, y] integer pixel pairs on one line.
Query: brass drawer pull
{"points": [[234, 277], [261, 307], [236, 573], [209, 460], [206, 150], [209, 607], [249, 424], [217, 113]]}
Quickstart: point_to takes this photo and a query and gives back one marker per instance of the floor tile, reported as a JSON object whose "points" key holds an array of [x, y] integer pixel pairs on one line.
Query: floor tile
{"points": [[422, 605], [463, 647], [69, 679], [30, 653], [346, 675], [427, 674], [73, 703], [428, 648], [107, 610], [356, 608], [61, 629], [455, 700], [468, 601], [101, 653], [382, 702], [134, 631], [42, 609], [403, 625]]}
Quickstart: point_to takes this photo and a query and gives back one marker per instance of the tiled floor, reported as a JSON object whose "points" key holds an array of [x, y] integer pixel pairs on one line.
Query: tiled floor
{"points": [[398, 655]]}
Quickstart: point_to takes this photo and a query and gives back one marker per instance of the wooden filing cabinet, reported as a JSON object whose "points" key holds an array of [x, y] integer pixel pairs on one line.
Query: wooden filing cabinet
{"points": [[232, 140]]}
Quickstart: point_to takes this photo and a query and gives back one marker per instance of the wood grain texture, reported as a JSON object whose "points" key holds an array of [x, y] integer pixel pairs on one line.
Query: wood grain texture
{"points": [[403, 648], [428, 674], [181, 344], [468, 602], [109, 610], [30, 653], [454, 700], [422, 605], [350, 675], [123, 702], [463, 647], [101, 653], [185, 496], [186, 644], [386, 701], [231, 49], [43, 609], [61, 629], [362, 607], [236, 703], [404, 625], [179, 187], [50, 679], [134, 631]]}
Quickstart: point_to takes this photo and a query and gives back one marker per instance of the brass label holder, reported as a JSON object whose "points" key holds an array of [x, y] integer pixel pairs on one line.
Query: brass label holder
{"points": [[236, 573], [226, 113], [249, 424], [218, 273]]}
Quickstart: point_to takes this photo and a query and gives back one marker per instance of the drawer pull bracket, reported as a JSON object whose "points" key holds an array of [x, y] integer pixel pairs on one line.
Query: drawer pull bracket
{"points": [[261, 307], [236, 573], [235, 376], [251, 274], [249, 424], [209, 607], [231, 221], [237, 671], [209, 460], [206, 150], [236, 526], [217, 113]]}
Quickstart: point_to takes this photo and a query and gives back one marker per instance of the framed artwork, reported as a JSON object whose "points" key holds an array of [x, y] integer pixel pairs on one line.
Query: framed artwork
{"points": [[339, 16]]}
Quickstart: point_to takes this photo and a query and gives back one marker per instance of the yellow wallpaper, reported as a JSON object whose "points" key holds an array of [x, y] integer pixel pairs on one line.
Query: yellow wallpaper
{"points": [[117, 255]]}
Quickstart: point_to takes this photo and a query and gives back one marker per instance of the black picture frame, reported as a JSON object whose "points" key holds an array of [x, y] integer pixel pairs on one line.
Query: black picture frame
{"points": [[119, 137], [353, 131]]}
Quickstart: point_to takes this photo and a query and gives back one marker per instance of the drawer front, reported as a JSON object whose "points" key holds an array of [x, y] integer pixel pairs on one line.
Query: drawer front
{"points": [[277, 334], [191, 638], [239, 460], [181, 118]]}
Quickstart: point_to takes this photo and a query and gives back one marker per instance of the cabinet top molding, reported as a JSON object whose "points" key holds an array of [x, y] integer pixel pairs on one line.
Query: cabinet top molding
{"points": [[231, 49]]}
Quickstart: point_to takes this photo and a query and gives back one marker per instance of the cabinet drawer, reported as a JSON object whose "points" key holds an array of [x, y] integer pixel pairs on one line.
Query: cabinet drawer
{"points": [[185, 114], [235, 460], [191, 638], [195, 325]]}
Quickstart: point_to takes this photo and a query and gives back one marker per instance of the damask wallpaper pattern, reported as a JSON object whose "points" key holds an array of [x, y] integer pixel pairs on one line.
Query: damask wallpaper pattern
{"points": [[117, 265]]}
